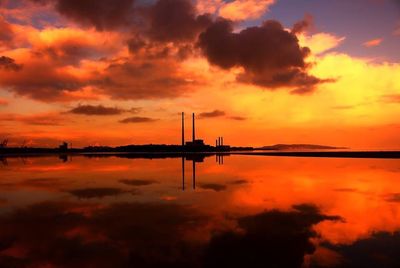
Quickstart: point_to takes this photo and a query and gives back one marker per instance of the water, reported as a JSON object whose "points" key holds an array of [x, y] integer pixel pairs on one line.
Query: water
{"points": [[250, 211]]}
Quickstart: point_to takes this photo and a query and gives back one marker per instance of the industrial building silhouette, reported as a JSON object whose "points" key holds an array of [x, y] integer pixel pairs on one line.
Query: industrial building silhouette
{"points": [[198, 144]]}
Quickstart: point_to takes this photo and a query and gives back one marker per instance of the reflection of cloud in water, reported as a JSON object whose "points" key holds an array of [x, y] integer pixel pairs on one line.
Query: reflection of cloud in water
{"points": [[238, 182], [350, 190], [269, 239], [393, 197], [137, 182], [96, 192], [3, 201], [153, 235], [120, 235], [213, 186], [379, 250]]}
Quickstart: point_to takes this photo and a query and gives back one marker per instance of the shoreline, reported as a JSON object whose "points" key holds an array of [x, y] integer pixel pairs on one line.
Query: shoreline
{"points": [[175, 154]]}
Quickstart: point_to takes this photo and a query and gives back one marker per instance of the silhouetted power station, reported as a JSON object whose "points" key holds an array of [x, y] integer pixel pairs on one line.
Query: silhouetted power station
{"points": [[198, 144]]}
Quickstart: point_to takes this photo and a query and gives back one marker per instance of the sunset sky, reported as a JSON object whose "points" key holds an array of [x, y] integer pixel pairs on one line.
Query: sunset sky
{"points": [[258, 72]]}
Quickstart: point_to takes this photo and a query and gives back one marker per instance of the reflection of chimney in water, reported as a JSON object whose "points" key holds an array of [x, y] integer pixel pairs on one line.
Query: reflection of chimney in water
{"points": [[183, 173], [194, 174]]}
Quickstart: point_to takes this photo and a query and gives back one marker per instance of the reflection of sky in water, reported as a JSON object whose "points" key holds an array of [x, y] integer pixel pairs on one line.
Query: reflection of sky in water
{"points": [[250, 211]]}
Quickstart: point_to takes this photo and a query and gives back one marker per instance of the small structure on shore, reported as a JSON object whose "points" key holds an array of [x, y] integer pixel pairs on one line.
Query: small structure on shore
{"points": [[63, 146]]}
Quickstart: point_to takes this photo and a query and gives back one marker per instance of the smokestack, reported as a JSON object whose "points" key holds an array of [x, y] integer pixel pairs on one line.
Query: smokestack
{"points": [[219, 141], [216, 142], [194, 136], [183, 129], [222, 141]]}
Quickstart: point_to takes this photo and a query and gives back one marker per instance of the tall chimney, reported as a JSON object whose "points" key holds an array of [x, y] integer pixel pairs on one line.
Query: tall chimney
{"points": [[183, 129], [194, 135], [222, 141]]}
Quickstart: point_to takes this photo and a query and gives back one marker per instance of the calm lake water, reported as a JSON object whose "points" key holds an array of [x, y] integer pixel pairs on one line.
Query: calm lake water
{"points": [[240, 211]]}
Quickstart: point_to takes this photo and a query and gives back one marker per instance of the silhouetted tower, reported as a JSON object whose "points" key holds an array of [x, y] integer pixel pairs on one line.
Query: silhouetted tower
{"points": [[193, 130], [183, 129]]}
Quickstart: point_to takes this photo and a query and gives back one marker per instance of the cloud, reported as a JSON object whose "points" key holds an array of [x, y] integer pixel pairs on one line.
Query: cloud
{"points": [[9, 64], [213, 186], [100, 110], [135, 79], [6, 32], [238, 118], [42, 79], [43, 119], [176, 20], [69, 46], [215, 113], [304, 25], [244, 9], [373, 42], [320, 42], [102, 14], [137, 119], [270, 56]]}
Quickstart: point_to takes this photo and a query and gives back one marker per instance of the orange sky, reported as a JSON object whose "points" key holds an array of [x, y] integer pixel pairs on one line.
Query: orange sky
{"points": [[106, 79]]}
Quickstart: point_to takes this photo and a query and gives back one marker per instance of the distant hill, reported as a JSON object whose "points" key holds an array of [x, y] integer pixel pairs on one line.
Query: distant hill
{"points": [[282, 147]]}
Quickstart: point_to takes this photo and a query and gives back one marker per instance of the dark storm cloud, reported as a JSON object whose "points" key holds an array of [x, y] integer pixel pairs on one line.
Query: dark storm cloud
{"points": [[162, 20], [215, 113], [137, 119], [100, 110], [9, 64], [102, 14], [270, 56], [176, 20]]}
